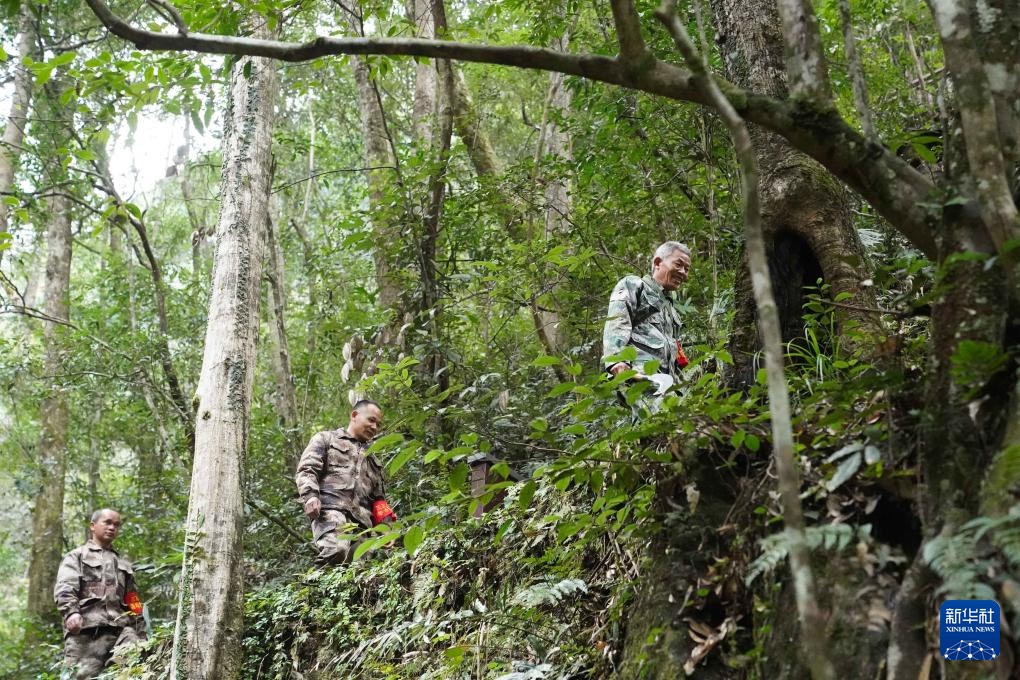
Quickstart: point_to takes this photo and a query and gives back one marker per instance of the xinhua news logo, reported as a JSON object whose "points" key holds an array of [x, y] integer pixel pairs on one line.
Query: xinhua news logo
{"points": [[969, 630]]}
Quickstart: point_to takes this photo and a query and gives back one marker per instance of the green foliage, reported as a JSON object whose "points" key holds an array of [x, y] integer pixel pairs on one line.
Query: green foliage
{"points": [[776, 548]]}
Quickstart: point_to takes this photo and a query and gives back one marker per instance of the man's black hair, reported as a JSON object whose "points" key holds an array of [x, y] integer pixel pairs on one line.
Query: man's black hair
{"points": [[362, 403]]}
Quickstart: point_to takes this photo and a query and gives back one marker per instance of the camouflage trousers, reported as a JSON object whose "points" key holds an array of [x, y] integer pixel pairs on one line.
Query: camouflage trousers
{"points": [[326, 530], [90, 651]]}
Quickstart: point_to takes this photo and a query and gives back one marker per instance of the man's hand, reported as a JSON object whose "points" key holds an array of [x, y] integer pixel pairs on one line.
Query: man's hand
{"points": [[73, 623], [618, 368], [312, 507]]}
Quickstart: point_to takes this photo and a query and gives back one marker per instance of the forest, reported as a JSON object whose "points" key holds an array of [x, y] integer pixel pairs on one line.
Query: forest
{"points": [[223, 224]]}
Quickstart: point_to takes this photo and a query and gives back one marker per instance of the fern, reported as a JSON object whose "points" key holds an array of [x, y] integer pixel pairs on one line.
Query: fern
{"points": [[775, 548], [549, 592]]}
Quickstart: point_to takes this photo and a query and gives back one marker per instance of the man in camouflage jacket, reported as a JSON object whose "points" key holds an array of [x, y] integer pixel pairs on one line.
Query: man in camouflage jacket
{"points": [[96, 594], [338, 483], [641, 314]]}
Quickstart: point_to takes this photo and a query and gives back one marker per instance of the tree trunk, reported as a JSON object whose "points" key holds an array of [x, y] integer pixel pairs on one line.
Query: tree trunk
{"points": [[286, 395], [548, 318], [379, 154], [47, 536], [14, 130], [207, 639], [419, 12], [806, 216]]}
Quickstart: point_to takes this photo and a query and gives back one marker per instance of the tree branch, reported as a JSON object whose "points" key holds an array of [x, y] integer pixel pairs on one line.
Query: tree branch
{"points": [[980, 126], [811, 622], [897, 191], [856, 72], [628, 30], [805, 61]]}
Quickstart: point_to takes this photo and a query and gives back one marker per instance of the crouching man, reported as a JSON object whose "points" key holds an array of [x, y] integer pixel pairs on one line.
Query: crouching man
{"points": [[96, 594]]}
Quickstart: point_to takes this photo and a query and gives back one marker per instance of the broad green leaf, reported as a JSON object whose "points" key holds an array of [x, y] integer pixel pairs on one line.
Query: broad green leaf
{"points": [[385, 442], [527, 493], [400, 460], [413, 538], [844, 472]]}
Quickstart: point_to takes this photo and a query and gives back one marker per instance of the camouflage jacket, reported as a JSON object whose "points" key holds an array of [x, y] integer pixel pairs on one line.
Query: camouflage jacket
{"points": [[335, 469], [641, 315], [92, 581]]}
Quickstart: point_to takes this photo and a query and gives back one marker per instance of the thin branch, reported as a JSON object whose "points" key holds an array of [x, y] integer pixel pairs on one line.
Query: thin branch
{"points": [[860, 86], [257, 507], [314, 175], [170, 13], [628, 31], [811, 621]]}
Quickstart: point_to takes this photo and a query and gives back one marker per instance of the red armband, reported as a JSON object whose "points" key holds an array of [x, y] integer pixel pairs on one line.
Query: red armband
{"points": [[133, 603], [681, 358], [382, 512]]}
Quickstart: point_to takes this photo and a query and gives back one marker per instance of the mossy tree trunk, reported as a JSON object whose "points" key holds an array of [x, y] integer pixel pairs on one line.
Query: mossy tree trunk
{"points": [[47, 524], [207, 639]]}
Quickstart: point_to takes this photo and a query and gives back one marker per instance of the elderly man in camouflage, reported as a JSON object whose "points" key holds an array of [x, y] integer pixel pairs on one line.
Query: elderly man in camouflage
{"points": [[641, 315], [339, 484], [96, 594]]}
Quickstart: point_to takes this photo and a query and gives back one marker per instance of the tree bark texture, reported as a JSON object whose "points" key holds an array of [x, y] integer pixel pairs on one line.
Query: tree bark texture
{"points": [[806, 218], [558, 152], [425, 110], [379, 154], [286, 395], [17, 119], [207, 639], [47, 525]]}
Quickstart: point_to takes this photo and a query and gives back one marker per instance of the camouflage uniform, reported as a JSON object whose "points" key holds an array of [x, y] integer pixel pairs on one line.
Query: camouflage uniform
{"points": [[92, 581], [335, 469], [641, 315]]}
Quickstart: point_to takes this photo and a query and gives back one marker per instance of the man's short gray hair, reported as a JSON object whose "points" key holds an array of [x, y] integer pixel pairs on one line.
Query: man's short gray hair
{"points": [[668, 248], [99, 513]]}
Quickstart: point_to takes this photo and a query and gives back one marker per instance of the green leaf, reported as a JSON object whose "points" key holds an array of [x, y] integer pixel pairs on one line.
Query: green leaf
{"points": [[455, 655], [844, 472], [385, 442], [62, 59], [527, 493], [845, 451], [3, 54], [546, 361], [363, 547], [413, 538], [651, 367], [501, 532], [627, 354], [459, 476], [196, 121], [400, 460], [752, 443]]}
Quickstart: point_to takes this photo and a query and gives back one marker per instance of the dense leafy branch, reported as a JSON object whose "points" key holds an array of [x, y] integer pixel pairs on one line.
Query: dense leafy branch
{"points": [[898, 192]]}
